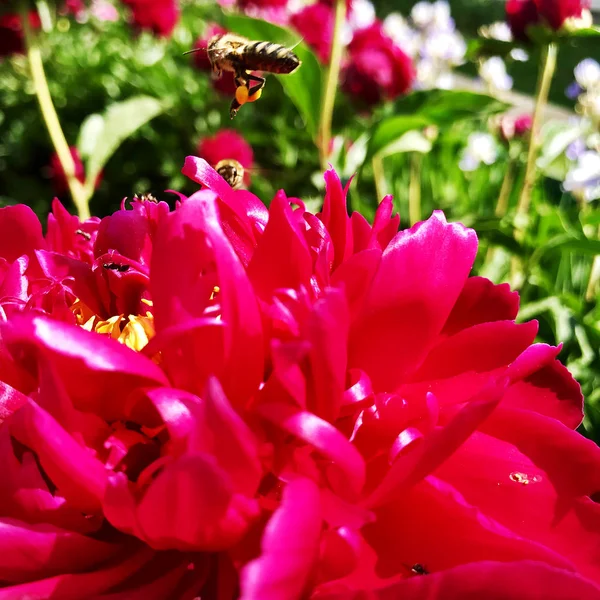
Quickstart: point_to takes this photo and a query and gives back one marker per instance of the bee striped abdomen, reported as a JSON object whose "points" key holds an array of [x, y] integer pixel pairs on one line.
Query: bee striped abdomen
{"points": [[270, 57]]}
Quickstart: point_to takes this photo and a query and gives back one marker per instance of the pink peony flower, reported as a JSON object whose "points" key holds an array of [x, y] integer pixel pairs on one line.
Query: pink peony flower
{"points": [[515, 127], [157, 16], [377, 69], [58, 175], [227, 144], [315, 24], [11, 32], [520, 14], [555, 12], [313, 407]]}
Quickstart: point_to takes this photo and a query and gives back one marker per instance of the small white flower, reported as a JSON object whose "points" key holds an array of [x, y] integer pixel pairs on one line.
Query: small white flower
{"points": [[361, 15], [583, 180], [481, 148], [587, 73], [422, 14], [402, 34], [499, 31], [519, 55], [493, 72]]}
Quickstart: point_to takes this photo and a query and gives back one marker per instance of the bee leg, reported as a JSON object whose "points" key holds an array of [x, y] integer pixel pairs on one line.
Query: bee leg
{"points": [[259, 85], [234, 107]]}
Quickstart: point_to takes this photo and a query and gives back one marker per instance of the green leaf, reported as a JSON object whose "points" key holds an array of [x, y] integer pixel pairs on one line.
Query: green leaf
{"points": [[593, 31], [304, 86], [430, 107], [444, 107], [566, 243], [484, 47], [101, 135], [556, 138]]}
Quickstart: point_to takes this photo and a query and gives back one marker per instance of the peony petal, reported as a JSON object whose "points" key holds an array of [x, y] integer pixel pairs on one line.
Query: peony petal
{"points": [[290, 546], [479, 348], [29, 552], [324, 437], [15, 284], [432, 524], [191, 506], [77, 586], [78, 475], [385, 226], [356, 275], [126, 232], [327, 332], [10, 401], [509, 488], [422, 273], [571, 461], [335, 217], [481, 301], [437, 447], [246, 206], [234, 445], [20, 232], [482, 579], [551, 390], [97, 372], [282, 257], [193, 237]]}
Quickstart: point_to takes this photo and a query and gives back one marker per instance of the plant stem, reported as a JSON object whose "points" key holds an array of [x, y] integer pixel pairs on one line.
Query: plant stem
{"points": [[590, 292], [379, 177], [333, 75], [505, 190], [547, 67], [50, 117], [414, 189]]}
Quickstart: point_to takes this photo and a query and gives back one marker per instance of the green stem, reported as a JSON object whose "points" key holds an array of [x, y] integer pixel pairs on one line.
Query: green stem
{"points": [[379, 177], [505, 190], [547, 68], [333, 75], [50, 117], [414, 189], [592, 285]]}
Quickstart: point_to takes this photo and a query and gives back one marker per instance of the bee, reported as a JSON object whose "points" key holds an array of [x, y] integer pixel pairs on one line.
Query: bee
{"points": [[231, 171], [116, 267], [419, 569], [230, 52]]}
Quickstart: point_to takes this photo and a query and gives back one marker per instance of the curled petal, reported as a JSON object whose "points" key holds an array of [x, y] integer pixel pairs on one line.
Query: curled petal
{"points": [[20, 232], [98, 373], [37, 551], [323, 436], [191, 506], [15, 284], [437, 446], [79, 585], [78, 475], [127, 233], [289, 547]]}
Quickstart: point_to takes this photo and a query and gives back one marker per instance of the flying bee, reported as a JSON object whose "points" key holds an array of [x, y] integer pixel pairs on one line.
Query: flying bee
{"points": [[231, 171], [230, 52]]}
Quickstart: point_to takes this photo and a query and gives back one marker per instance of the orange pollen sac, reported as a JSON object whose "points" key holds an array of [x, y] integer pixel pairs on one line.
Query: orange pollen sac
{"points": [[135, 331], [241, 94]]}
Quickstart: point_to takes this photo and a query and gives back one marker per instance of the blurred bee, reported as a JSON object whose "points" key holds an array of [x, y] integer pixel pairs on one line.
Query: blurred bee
{"points": [[231, 171], [230, 52]]}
